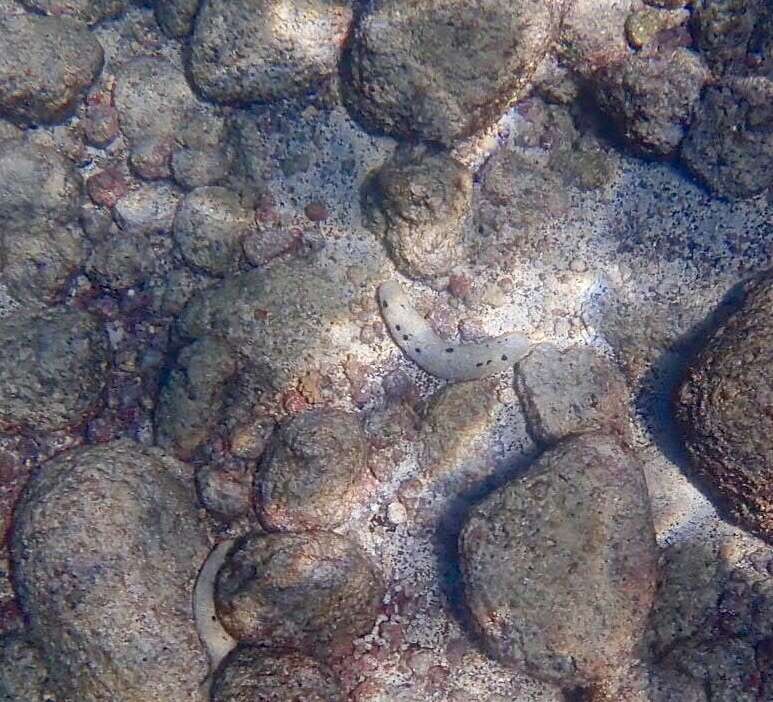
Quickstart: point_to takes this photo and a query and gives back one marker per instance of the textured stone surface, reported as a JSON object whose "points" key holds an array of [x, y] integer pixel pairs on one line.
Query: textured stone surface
{"points": [[89, 11], [439, 70], [176, 16], [46, 63], [560, 566], [418, 203], [252, 675], [52, 373], [309, 591], [105, 550], [250, 50], [724, 409], [311, 476], [209, 227], [23, 675], [571, 392]]}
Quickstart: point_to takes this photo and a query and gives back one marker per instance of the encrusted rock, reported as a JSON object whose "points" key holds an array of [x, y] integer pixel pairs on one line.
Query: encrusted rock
{"points": [[53, 369], [249, 50], [23, 674], [209, 227], [226, 493], [311, 476], [722, 30], [571, 392], [46, 63], [106, 548], [418, 203], [176, 16], [122, 261], [250, 674], [724, 408], [281, 318], [89, 11], [150, 209], [309, 591], [651, 98], [730, 143], [439, 70], [560, 566]]}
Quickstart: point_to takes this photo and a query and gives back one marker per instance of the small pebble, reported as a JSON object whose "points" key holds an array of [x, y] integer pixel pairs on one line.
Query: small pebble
{"points": [[316, 212], [396, 513]]}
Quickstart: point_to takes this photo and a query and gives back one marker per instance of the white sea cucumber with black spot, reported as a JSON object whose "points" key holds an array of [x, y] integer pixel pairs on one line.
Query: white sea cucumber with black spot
{"points": [[213, 635], [451, 361]]}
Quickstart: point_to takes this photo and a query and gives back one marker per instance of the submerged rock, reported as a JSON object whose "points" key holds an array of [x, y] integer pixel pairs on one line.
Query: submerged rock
{"points": [[46, 63], [23, 674], [724, 409], [560, 566], [53, 370], [105, 550], [439, 70], [89, 11]]}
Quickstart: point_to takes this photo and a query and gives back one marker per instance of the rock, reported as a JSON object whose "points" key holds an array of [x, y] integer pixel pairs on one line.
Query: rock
{"points": [[311, 476], [202, 155], [418, 203], [644, 25], [250, 674], [39, 188], [193, 395], [123, 261], [651, 98], [263, 50], [53, 371], [46, 63], [36, 267], [226, 494], [281, 318], [176, 16], [571, 392], [729, 146], [457, 414], [107, 186], [723, 406], [106, 548], [309, 591], [585, 165], [100, 125], [722, 30], [440, 70], [209, 227], [23, 674], [150, 209], [155, 104], [89, 11], [559, 566]]}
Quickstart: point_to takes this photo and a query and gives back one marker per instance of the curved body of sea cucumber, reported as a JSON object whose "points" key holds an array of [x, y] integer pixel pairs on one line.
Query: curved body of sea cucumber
{"points": [[452, 361], [213, 635]]}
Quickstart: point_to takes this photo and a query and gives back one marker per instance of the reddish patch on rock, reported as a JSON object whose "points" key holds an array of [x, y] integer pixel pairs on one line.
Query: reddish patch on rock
{"points": [[316, 211], [294, 402], [107, 187], [459, 285], [100, 126]]}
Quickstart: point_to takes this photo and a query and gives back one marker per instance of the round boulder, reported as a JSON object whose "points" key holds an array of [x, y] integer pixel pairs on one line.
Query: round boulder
{"points": [[248, 50], [53, 369], [253, 675], [418, 203], [724, 407], [560, 566], [209, 228], [439, 70], [46, 63], [311, 476], [309, 591], [105, 551]]}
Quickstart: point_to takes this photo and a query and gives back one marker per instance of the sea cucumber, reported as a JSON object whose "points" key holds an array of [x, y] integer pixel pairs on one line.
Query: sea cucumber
{"points": [[452, 361], [213, 635]]}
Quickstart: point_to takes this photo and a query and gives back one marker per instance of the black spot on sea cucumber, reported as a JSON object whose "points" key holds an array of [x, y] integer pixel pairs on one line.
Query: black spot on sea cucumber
{"points": [[385, 303], [504, 357], [449, 350], [397, 326], [406, 337], [418, 350], [478, 365], [488, 363]]}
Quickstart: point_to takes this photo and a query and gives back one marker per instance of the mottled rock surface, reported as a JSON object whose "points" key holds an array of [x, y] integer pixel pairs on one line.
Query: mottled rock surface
{"points": [[176, 16], [105, 550], [418, 203], [724, 408], [571, 392], [309, 591], [23, 675], [249, 50], [560, 566], [53, 371], [253, 675], [438, 70], [311, 476], [46, 63], [209, 227], [149, 209], [89, 11]]}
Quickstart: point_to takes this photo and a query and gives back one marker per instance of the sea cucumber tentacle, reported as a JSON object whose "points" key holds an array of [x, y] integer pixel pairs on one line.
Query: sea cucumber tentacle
{"points": [[451, 361]]}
